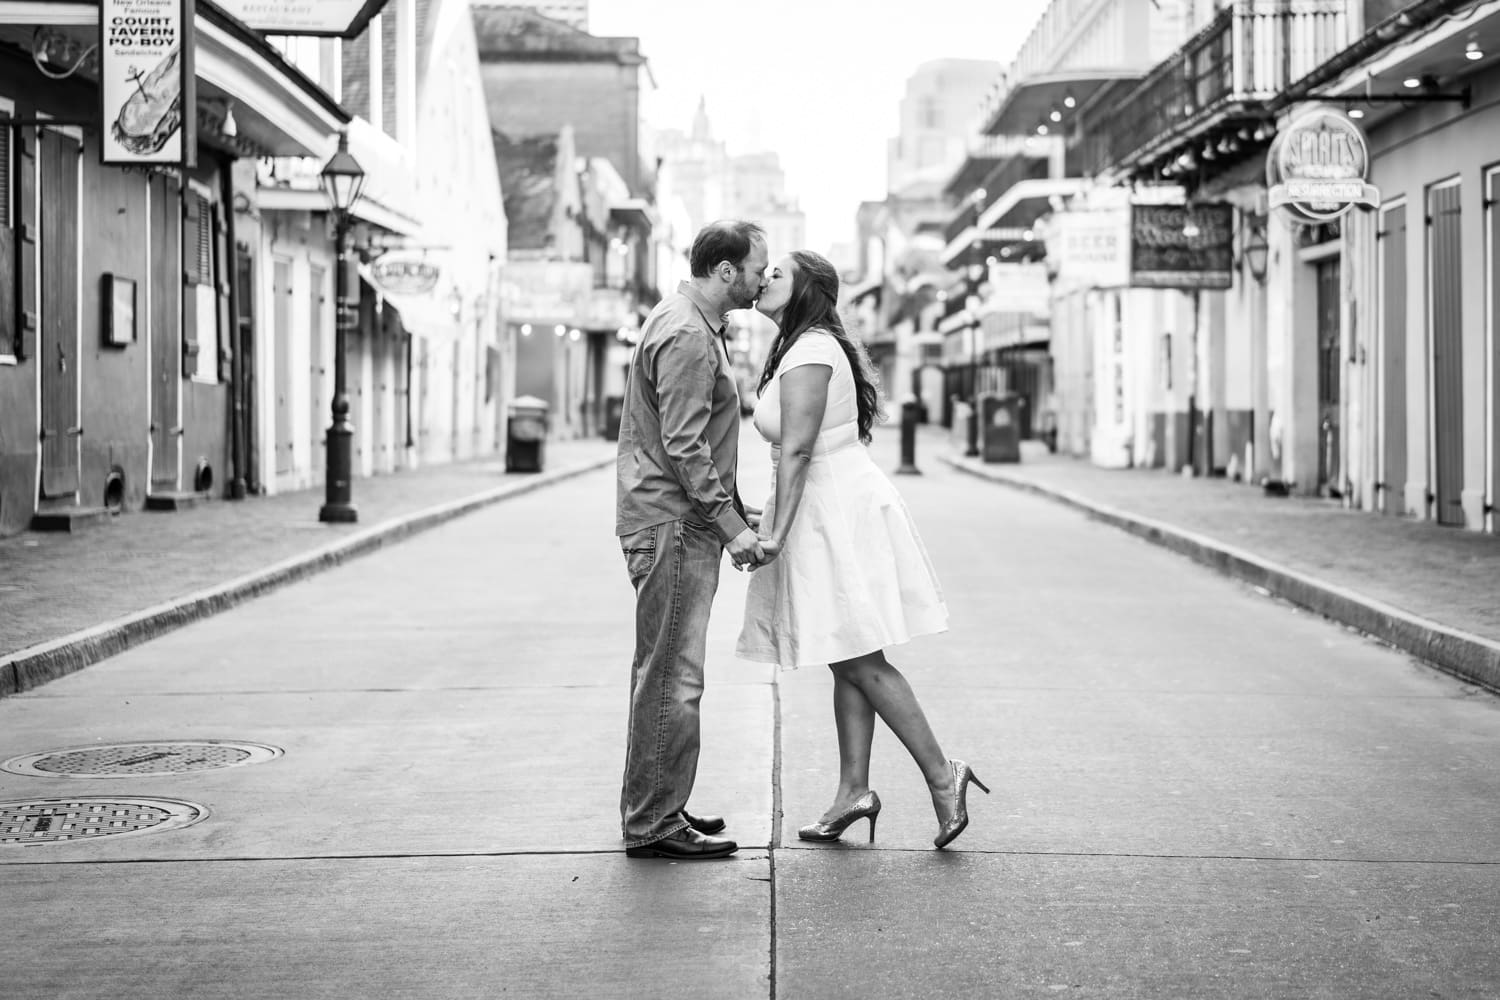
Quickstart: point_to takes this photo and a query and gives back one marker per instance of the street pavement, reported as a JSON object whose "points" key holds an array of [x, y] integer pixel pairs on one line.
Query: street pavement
{"points": [[1200, 790]]}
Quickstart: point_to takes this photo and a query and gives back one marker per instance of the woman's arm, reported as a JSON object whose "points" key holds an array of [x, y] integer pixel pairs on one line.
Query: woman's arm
{"points": [[804, 397]]}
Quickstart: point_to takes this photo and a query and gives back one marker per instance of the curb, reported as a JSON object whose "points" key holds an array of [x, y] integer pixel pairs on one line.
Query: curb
{"points": [[1467, 656], [47, 661]]}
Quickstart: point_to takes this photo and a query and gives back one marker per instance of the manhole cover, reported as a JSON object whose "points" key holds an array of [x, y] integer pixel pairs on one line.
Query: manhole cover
{"points": [[55, 821], [123, 760]]}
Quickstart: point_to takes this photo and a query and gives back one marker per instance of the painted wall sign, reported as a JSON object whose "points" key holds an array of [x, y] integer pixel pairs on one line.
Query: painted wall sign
{"points": [[148, 100], [334, 18], [405, 275], [1182, 246], [1317, 166], [1092, 247]]}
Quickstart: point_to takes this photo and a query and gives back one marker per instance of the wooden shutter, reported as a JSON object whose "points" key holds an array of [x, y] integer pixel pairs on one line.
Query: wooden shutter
{"points": [[8, 277], [26, 236], [222, 271], [193, 236]]}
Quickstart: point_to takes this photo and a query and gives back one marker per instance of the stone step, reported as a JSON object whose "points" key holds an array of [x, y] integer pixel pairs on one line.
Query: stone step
{"points": [[69, 518], [176, 499]]}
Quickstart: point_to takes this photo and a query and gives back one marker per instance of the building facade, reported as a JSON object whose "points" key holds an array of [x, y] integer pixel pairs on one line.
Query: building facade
{"points": [[1281, 265]]}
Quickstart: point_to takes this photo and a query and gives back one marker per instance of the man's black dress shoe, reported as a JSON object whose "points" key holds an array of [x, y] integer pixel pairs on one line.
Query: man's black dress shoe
{"points": [[685, 845], [704, 824]]}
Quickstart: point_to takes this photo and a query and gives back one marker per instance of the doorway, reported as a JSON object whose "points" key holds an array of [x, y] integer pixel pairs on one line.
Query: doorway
{"points": [[1329, 470]]}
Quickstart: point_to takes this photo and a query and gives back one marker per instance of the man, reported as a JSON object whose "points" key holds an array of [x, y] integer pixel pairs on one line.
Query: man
{"points": [[677, 511]]}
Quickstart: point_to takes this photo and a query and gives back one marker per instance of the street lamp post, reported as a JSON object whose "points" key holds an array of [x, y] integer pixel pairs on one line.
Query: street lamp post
{"points": [[971, 303], [974, 274], [342, 180]]}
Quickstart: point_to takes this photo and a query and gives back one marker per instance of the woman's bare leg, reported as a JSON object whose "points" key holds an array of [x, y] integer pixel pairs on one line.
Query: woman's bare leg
{"points": [[855, 719], [890, 696]]}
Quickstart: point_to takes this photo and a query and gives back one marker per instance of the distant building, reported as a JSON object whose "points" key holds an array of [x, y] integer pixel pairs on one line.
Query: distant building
{"points": [[574, 13], [541, 74], [713, 184], [939, 113]]}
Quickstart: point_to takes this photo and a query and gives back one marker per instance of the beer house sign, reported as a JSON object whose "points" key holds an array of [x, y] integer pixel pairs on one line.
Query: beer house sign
{"points": [[1317, 167]]}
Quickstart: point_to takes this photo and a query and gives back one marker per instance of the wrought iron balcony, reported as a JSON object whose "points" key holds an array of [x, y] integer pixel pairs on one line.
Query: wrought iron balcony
{"points": [[963, 218], [1243, 58]]}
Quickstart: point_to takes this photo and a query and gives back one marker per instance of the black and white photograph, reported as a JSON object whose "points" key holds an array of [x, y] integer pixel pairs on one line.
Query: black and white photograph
{"points": [[651, 500]]}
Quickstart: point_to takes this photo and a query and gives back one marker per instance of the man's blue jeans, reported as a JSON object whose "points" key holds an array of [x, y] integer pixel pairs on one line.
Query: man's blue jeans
{"points": [[674, 568]]}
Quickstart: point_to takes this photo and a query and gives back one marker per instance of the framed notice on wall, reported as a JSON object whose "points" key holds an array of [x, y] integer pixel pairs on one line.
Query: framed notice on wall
{"points": [[147, 97], [119, 310]]}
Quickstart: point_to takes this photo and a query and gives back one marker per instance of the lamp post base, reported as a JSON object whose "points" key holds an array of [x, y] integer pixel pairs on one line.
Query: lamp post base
{"points": [[338, 507], [340, 513]]}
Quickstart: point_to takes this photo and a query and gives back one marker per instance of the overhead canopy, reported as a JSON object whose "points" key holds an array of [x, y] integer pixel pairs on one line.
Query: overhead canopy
{"points": [[1030, 102], [277, 109]]}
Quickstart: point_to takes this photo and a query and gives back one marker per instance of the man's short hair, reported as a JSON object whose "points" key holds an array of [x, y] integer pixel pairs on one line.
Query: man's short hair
{"points": [[728, 239]]}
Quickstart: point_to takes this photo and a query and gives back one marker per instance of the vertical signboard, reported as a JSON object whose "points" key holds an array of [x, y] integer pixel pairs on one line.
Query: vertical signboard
{"points": [[148, 100]]}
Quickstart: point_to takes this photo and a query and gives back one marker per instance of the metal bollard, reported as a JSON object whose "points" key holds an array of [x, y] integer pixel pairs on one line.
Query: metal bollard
{"points": [[909, 407]]}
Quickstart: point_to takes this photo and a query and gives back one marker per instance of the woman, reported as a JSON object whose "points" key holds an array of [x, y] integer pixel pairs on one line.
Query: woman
{"points": [[846, 575]]}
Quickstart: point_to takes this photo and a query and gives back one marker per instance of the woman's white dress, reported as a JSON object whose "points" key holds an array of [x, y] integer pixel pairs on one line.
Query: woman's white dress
{"points": [[853, 577]]}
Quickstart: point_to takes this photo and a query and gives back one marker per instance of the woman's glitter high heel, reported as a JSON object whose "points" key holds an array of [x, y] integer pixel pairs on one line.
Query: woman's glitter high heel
{"points": [[962, 775], [867, 804]]}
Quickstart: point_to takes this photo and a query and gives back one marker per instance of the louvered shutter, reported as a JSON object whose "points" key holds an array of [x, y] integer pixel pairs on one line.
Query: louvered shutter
{"points": [[222, 270], [196, 234], [26, 236]]}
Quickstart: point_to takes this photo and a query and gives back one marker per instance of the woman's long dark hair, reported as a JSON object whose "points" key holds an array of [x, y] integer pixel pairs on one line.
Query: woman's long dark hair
{"points": [[814, 305]]}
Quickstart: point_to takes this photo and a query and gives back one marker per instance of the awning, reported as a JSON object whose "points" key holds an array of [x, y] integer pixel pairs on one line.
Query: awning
{"points": [[866, 287], [389, 196], [1439, 52], [636, 212], [1030, 102], [278, 111]]}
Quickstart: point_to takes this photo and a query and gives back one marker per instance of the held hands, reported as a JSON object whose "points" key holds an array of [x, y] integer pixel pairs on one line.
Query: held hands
{"points": [[748, 551], [745, 550]]}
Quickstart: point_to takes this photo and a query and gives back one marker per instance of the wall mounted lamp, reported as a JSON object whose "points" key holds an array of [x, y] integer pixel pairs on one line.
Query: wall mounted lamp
{"points": [[1253, 244]]}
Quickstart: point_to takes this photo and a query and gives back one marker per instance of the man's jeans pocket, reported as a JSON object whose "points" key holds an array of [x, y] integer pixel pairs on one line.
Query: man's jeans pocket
{"points": [[640, 553]]}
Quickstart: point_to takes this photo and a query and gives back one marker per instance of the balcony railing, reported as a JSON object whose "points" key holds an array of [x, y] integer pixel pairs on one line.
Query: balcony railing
{"points": [[1010, 173], [963, 218], [1247, 54], [1005, 176]]}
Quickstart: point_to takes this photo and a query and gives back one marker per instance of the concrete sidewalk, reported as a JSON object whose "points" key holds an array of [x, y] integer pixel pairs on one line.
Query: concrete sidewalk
{"points": [[70, 600], [1431, 591]]}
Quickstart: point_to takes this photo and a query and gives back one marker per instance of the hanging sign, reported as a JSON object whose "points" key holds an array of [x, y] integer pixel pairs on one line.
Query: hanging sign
{"points": [[1182, 246], [1317, 167], [148, 100], [405, 275], [337, 18]]}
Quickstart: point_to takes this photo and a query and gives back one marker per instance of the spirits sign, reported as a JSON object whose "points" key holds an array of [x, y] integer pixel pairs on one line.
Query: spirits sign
{"points": [[146, 90], [1317, 166]]}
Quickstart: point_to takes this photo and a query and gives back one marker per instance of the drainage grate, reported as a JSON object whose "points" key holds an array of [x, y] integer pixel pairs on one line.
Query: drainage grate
{"points": [[123, 760], [56, 821]]}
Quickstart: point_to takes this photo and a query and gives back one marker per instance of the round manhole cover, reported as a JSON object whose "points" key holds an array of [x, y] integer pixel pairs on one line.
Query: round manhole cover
{"points": [[123, 760], [56, 821]]}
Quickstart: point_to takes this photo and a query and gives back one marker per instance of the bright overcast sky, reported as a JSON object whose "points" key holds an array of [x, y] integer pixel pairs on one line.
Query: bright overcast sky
{"points": [[818, 81]]}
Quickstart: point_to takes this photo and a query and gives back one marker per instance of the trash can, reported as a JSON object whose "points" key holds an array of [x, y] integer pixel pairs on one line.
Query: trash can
{"points": [[614, 406], [526, 434], [1000, 427]]}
